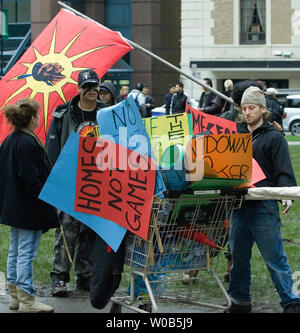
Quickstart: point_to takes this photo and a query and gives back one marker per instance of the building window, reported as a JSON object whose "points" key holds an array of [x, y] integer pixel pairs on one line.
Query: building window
{"points": [[18, 11], [253, 21]]}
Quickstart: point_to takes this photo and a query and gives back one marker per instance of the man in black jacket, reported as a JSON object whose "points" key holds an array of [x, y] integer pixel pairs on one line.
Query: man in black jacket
{"points": [[168, 97], [79, 115], [179, 99], [209, 102], [259, 220], [274, 106]]}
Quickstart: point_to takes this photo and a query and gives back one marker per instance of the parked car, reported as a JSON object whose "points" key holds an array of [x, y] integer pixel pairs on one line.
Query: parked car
{"points": [[161, 110], [291, 115]]}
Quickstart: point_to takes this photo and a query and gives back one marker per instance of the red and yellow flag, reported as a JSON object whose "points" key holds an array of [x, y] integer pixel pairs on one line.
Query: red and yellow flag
{"points": [[48, 70]]}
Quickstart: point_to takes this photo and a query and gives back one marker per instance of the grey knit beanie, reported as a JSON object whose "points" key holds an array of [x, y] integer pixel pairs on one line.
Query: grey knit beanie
{"points": [[253, 95]]}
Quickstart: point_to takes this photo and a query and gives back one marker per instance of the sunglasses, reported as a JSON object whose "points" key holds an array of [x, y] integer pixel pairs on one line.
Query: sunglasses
{"points": [[90, 86]]}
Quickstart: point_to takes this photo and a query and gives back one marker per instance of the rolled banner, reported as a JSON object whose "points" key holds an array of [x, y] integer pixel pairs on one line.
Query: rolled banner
{"points": [[273, 193], [173, 169]]}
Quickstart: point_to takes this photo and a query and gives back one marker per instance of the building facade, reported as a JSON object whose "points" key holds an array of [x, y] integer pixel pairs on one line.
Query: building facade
{"points": [[240, 39]]}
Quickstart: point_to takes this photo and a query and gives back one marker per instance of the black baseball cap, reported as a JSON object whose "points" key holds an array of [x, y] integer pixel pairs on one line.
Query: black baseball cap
{"points": [[87, 76]]}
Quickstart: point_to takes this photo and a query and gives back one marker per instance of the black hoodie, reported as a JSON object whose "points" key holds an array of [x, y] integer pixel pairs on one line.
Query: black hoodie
{"points": [[270, 150]]}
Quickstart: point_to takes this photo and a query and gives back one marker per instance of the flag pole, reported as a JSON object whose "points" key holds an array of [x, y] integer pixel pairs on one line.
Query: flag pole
{"points": [[138, 47]]}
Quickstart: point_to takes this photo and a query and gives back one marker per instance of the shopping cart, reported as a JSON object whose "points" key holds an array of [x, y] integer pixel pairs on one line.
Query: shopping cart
{"points": [[186, 234]]}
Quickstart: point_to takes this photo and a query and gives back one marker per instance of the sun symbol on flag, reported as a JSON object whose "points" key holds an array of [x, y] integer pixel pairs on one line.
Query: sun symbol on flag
{"points": [[49, 73]]}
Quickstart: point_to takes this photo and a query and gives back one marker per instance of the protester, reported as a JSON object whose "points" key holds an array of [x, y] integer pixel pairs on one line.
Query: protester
{"points": [[209, 102], [235, 111], [139, 98], [228, 86], [123, 94], [259, 220], [168, 97], [79, 115], [107, 93], [150, 104], [274, 106], [24, 168], [179, 99]]}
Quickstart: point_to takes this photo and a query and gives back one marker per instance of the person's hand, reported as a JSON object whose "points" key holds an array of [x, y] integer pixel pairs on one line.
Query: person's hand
{"points": [[287, 204], [201, 109], [277, 126]]}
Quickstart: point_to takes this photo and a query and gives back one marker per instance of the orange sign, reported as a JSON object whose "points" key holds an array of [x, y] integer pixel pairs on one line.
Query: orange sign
{"points": [[220, 155]]}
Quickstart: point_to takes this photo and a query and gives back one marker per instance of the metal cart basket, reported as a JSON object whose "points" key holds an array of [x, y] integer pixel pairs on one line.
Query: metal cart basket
{"points": [[186, 235]]}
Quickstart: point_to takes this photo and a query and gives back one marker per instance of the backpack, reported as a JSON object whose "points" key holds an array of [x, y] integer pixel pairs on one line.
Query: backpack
{"points": [[141, 109]]}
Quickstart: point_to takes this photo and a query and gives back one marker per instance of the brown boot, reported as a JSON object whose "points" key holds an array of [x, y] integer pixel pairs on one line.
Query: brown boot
{"points": [[14, 301], [28, 303]]}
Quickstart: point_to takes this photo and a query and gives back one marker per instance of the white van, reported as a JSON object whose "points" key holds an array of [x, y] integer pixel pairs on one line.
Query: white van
{"points": [[291, 115]]}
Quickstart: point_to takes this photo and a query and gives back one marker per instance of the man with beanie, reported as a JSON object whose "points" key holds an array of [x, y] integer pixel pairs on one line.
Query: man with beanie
{"points": [[259, 220]]}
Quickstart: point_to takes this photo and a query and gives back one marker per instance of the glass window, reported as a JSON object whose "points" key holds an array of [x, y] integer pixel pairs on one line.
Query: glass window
{"points": [[293, 102], [253, 22], [18, 11]]}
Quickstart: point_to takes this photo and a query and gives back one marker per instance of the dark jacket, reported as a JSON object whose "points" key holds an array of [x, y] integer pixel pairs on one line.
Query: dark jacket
{"points": [[225, 106], [24, 169], [275, 108], [271, 152], [66, 118], [178, 103], [210, 103], [149, 100], [167, 100]]}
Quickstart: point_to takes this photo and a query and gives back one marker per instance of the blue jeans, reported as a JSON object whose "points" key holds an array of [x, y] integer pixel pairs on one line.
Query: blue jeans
{"points": [[23, 249], [258, 221]]}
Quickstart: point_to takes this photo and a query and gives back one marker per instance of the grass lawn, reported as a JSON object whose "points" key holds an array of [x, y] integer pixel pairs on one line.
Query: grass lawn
{"points": [[292, 138], [262, 286]]}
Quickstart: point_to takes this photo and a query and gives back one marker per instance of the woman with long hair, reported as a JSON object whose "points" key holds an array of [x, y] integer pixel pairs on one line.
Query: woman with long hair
{"points": [[24, 168]]}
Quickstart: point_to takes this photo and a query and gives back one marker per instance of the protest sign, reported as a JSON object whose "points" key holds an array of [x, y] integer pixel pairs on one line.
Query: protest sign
{"points": [[204, 122], [115, 183], [219, 161], [165, 131], [123, 124], [59, 191]]}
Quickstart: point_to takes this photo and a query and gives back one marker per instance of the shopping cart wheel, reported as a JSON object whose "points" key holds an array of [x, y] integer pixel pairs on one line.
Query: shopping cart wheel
{"points": [[146, 307], [115, 308]]}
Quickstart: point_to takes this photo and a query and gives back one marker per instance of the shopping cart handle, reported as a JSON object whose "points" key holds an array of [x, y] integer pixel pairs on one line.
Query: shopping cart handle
{"points": [[235, 191], [238, 192]]}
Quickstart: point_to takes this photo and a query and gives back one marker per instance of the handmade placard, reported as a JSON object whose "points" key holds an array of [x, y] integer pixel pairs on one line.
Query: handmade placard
{"points": [[59, 191], [123, 124], [165, 131], [204, 122], [115, 183]]}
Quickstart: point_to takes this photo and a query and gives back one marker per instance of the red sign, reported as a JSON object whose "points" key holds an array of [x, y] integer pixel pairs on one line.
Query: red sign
{"points": [[49, 68], [115, 183], [203, 122]]}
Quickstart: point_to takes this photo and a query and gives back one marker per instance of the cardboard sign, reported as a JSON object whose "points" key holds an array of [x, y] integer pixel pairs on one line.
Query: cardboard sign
{"points": [[115, 183], [203, 122], [219, 156], [59, 191], [165, 131], [229, 155], [123, 124]]}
